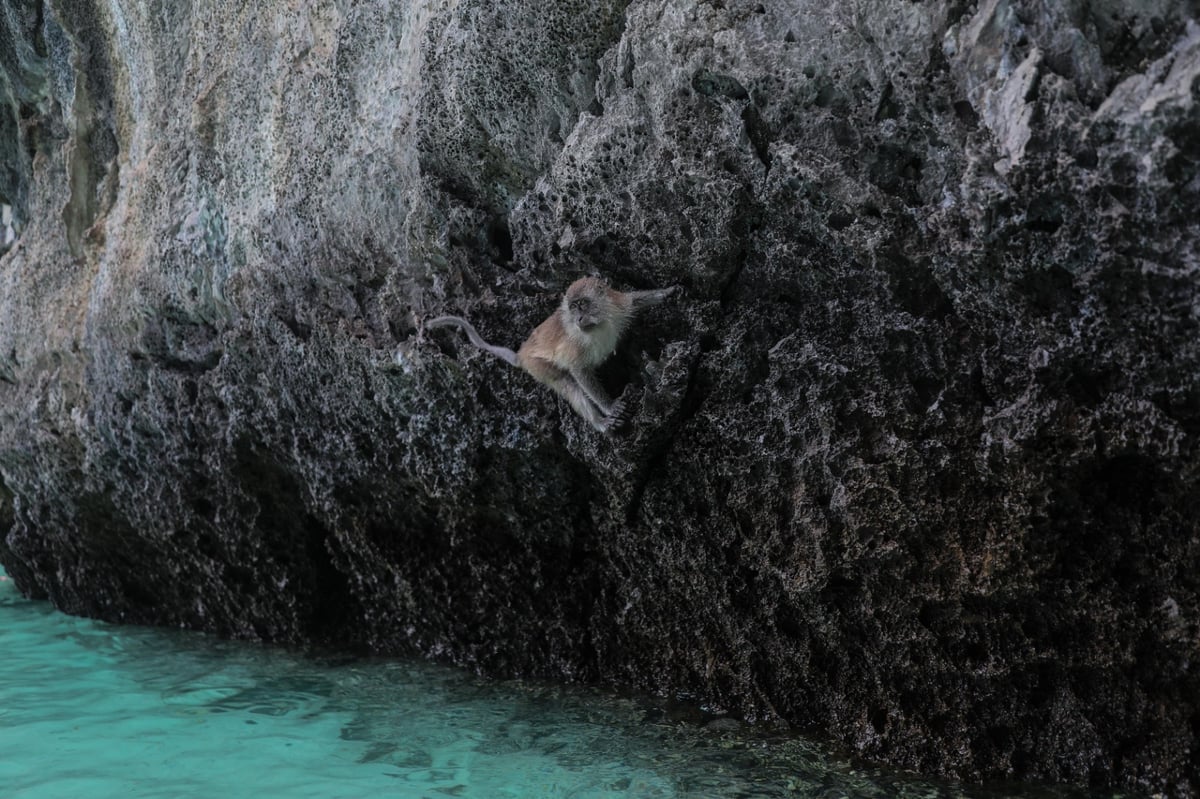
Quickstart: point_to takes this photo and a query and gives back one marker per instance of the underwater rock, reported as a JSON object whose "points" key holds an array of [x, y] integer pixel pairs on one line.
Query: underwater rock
{"points": [[916, 460]]}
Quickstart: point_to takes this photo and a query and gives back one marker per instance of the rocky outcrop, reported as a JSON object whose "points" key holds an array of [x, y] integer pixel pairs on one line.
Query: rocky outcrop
{"points": [[916, 457]]}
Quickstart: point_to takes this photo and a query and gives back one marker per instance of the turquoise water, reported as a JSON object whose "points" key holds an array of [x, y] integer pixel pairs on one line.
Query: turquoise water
{"points": [[92, 710]]}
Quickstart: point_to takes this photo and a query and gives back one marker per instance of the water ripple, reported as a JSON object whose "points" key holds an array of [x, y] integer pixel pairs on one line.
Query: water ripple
{"points": [[90, 710]]}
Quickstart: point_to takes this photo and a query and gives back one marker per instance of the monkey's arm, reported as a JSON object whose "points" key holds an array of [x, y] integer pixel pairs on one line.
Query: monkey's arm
{"points": [[640, 299], [503, 353], [573, 393], [567, 385], [591, 387]]}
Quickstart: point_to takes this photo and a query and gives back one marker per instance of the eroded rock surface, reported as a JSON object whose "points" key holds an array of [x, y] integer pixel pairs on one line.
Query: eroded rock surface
{"points": [[916, 461]]}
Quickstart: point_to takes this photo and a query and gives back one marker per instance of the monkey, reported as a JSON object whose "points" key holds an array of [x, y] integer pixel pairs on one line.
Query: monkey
{"points": [[564, 351]]}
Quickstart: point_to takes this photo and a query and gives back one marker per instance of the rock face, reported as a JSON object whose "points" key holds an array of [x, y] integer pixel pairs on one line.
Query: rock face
{"points": [[917, 459]]}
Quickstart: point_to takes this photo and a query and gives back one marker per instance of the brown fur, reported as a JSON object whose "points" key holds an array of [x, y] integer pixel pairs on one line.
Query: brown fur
{"points": [[563, 351]]}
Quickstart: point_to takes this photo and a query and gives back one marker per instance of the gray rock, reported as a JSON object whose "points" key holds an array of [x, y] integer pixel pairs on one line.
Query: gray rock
{"points": [[917, 453]]}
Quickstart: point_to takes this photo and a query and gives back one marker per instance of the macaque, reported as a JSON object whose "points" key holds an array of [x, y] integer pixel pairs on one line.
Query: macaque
{"points": [[564, 351]]}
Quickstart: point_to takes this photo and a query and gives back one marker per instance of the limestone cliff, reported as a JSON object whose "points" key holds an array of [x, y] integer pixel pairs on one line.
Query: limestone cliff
{"points": [[917, 460]]}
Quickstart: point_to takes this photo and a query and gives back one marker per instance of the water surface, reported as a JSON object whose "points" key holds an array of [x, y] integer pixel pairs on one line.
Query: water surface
{"points": [[93, 710]]}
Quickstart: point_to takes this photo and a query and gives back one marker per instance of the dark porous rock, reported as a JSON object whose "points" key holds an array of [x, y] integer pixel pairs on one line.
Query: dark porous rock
{"points": [[916, 455]]}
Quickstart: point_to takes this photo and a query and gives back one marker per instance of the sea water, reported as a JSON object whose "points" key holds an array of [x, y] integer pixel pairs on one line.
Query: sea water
{"points": [[90, 711]]}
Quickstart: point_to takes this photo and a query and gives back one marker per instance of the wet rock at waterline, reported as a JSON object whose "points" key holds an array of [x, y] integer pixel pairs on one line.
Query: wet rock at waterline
{"points": [[916, 457]]}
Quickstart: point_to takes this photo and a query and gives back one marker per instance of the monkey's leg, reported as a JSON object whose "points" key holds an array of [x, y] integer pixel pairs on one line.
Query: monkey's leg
{"points": [[591, 387], [652, 297]]}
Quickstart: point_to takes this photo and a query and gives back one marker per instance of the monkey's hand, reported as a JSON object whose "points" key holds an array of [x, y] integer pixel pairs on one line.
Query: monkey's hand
{"points": [[641, 299], [622, 410]]}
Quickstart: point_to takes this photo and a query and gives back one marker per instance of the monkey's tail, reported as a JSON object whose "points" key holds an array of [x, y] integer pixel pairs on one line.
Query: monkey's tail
{"points": [[503, 353]]}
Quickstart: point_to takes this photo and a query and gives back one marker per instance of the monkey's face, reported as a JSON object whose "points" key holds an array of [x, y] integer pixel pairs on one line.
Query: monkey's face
{"points": [[585, 311]]}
